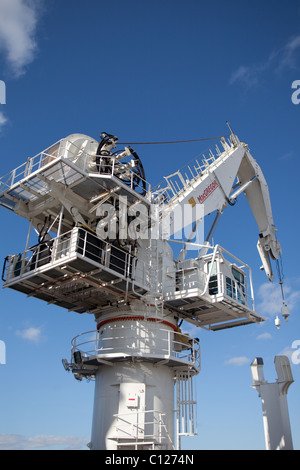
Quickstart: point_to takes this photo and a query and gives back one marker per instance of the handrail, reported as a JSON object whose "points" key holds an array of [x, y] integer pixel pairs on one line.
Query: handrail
{"points": [[217, 256], [39, 162], [28, 165], [60, 248], [139, 427], [187, 174], [168, 346]]}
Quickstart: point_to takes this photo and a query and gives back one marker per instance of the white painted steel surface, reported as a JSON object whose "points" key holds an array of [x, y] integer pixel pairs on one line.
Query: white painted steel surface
{"points": [[273, 396], [133, 285]]}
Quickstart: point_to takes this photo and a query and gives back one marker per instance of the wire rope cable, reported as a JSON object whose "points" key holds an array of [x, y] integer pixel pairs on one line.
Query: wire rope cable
{"points": [[174, 141]]}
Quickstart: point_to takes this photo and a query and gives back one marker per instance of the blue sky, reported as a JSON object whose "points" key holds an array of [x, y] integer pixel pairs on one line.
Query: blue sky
{"points": [[152, 71]]}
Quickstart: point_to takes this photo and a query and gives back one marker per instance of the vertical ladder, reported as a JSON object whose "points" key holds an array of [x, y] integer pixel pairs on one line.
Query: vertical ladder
{"points": [[186, 405], [156, 280]]}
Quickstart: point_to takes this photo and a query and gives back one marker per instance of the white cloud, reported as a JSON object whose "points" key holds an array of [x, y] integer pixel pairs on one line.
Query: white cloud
{"points": [[189, 329], [264, 336], [288, 156], [3, 120], [18, 21], [270, 299], [287, 351], [249, 75], [285, 57], [30, 334], [292, 352], [238, 361], [242, 73], [18, 442]]}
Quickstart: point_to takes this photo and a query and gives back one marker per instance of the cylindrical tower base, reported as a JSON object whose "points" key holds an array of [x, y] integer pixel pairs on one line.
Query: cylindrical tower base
{"points": [[135, 359], [133, 407]]}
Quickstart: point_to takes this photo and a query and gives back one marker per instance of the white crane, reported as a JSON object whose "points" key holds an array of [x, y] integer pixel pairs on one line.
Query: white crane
{"points": [[104, 247]]}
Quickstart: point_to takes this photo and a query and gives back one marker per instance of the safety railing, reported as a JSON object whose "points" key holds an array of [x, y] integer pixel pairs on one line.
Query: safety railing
{"points": [[78, 241], [235, 282], [136, 341], [186, 401], [85, 162], [219, 273], [114, 167], [174, 184], [142, 428], [31, 165]]}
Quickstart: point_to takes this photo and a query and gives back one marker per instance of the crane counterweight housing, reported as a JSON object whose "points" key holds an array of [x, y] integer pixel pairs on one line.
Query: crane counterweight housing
{"points": [[102, 248]]}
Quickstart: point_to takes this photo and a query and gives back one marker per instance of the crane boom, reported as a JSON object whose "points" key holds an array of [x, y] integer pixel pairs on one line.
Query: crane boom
{"points": [[214, 186]]}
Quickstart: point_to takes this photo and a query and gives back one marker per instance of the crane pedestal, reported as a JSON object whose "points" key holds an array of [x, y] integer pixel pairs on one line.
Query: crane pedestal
{"points": [[136, 360]]}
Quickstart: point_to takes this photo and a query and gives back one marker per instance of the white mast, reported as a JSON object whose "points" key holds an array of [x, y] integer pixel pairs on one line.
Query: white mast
{"points": [[274, 402]]}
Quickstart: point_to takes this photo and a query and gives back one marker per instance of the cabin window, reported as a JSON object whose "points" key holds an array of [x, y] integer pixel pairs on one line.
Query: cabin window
{"points": [[213, 280], [235, 288]]}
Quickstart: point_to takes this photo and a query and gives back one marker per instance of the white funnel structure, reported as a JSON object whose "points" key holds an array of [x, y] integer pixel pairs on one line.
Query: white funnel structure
{"points": [[274, 402]]}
